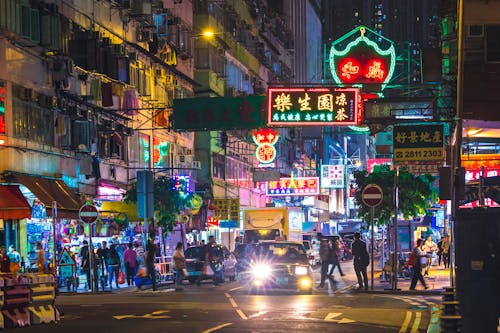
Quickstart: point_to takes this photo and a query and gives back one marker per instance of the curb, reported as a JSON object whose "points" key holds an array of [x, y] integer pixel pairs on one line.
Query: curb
{"points": [[435, 322]]}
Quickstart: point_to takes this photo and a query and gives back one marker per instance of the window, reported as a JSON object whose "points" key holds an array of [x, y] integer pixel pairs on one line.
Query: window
{"points": [[33, 122], [492, 43]]}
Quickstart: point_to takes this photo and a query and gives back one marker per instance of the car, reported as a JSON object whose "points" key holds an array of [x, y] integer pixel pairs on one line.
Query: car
{"points": [[243, 253], [195, 262], [280, 265], [312, 252]]}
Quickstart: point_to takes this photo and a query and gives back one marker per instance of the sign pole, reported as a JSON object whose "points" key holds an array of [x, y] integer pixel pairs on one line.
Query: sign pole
{"points": [[373, 244], [91, 257], [54, 221], [88, 214]]}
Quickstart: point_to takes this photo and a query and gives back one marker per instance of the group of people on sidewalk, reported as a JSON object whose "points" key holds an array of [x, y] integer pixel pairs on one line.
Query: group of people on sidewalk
{"points": [[139, 264]]}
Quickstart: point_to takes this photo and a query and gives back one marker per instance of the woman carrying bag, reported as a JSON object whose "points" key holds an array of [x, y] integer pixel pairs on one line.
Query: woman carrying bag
{"points": [[179, 266]]}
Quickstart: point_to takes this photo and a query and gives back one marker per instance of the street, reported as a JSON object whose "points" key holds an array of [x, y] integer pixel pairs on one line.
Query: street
{"points": [[229, 308]]}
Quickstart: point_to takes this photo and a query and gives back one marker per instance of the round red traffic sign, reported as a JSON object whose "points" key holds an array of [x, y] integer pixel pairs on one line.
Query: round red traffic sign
{"points": [[372, 195], [88, 213]]}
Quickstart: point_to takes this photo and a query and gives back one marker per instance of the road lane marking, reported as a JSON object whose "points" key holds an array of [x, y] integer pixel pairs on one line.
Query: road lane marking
{"points": [[153, 315], [213, 329], [332, 315], [260, 313], [416, 323], [406, 322], [236, 288], [242, 315], [235, 306]]}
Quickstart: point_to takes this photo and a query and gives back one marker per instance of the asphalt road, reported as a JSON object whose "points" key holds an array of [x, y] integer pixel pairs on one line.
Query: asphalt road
{"points": [[229, 308]]}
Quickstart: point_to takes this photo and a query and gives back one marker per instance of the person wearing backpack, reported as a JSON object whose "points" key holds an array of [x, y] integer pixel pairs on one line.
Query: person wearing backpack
{"points": [[361, 261], [416, 256]]}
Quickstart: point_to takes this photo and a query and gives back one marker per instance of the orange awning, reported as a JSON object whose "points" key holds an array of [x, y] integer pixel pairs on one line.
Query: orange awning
{"points": [[49, 190], [13, 204]]}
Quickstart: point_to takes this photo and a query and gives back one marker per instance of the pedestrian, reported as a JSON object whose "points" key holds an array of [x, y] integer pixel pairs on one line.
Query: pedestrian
{"points": [[179, 266], [324, 256], [446, 251], [84, 262], [361, 260], [440, 250], [102, 256], [150, 261], [418, 254], [214, 260], [430, 247], [15, 259], [4, 260], [139, 249], [130, 261], [334, 259], [114, 264]]}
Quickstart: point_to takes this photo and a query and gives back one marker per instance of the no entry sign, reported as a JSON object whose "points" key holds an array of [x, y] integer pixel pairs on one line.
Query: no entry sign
{"points": [[88, 213], [372, 195]]}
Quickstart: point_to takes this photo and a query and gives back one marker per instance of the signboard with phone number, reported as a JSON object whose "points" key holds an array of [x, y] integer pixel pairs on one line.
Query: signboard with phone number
{"points": [[418, 143]]}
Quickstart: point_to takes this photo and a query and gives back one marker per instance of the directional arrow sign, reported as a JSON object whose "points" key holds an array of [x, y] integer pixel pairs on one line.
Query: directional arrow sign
{"points": [[332, 315]]}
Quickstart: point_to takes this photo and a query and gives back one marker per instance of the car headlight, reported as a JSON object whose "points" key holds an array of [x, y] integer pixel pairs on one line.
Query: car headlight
{"points": [[300, 270], [261, 270]]}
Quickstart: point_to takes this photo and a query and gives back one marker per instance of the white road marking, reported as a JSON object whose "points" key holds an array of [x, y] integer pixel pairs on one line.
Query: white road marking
{"points": [[213, 329], [406, 322], [235, 306], [416, 323], [332, 315], [237, 288], [257, 314], [153, 315], [233, 303], [242, 315]]}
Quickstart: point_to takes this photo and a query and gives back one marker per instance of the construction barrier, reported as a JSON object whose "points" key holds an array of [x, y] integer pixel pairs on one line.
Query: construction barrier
{"points": [[16, 301], [27, 299], [43, 295]]}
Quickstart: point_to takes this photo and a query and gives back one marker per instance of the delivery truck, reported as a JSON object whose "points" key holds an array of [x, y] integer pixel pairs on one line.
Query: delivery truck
{"points": [[273, 223]]}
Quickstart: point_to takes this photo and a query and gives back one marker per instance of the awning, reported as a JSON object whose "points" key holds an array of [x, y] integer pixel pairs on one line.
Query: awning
{"points": [[48, 190], [13, 204], [120, 207]]}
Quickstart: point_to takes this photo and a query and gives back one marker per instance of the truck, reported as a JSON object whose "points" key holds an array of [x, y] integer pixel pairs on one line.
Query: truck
{"points": [[273, 223]]}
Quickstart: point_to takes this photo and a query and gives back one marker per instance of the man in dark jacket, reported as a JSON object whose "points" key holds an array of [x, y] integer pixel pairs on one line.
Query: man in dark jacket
{"points": [[150, 261], [84, 261], [324, 256], [361, 260]]}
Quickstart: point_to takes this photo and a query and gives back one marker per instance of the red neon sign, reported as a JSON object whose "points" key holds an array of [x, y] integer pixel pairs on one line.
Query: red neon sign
{"points": [[265, 139]]}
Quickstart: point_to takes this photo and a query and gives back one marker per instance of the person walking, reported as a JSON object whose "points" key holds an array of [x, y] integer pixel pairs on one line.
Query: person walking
{"points": [[130, 261], [179, 266], [418, 254], [102, 257], [440, 250], [139, 249], [430, 247], [446, 251], [84, 262], [4, 260], [324, 257], [361, 261], [334, 259], [15, 259], [114, 264], [150, 261]]}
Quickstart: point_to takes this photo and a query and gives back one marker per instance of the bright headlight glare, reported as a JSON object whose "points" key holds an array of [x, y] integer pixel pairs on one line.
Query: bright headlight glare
{"points": [[300, 270], [261, 270]]}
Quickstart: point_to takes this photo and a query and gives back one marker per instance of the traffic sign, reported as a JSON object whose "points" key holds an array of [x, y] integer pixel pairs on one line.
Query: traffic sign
{"points": [[372, 195], [88, 213]]}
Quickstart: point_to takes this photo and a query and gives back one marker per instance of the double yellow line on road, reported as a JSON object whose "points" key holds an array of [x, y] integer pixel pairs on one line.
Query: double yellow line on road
{"points": [[407, 321]]}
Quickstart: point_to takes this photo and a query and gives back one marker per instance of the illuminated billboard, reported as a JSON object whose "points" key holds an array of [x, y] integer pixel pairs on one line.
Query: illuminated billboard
{"points": [[300, 186], [313, 106]]}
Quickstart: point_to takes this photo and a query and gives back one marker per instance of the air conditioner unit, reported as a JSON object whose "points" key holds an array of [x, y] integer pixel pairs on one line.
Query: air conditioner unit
{"points": [[196, 164], [184, 160]]}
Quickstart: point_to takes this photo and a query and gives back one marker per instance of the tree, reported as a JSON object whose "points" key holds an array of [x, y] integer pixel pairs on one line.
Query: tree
{"points": [[170, 199], [416, 193]]}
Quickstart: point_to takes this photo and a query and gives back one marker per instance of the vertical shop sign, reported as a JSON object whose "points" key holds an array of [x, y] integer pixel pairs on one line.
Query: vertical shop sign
{"points": [[2, 107]]}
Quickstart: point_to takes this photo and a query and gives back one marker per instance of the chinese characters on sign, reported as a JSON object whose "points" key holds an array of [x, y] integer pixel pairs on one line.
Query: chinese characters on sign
{"points": [[313, 106], [332, 176], [265, 139], [418, 143], [368, 59], [293, 186], [223, 207]]}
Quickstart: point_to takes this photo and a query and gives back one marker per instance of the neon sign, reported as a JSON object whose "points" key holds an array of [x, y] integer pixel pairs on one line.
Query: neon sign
{"points": [[2, 108], [362, 61], [265, 139], [293, 187], [313, 106]]}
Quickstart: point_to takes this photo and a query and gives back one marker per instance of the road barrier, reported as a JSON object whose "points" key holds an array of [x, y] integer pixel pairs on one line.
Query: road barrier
{"points": [[27, 299], [450, 318]]}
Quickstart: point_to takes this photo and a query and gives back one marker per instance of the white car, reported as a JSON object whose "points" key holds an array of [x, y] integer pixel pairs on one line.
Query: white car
{"points": [[312, 252]]}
